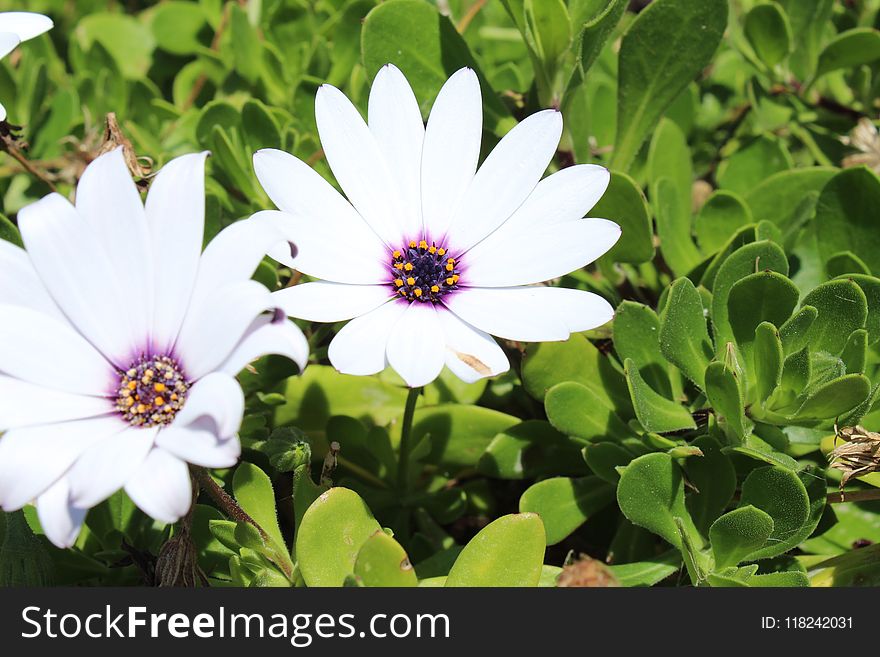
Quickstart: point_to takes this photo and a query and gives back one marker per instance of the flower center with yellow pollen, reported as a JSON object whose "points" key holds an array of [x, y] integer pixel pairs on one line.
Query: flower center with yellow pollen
{"points": [[151, 391], [424, 272]]}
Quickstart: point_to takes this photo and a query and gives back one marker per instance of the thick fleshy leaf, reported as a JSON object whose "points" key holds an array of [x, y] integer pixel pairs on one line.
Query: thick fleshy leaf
{"points": [[509, 551], [768, 32], [723, 214], [714, 480], [381, 561], [738, 533], [842, 308], [684, 338], [725, 393], [253, 491], [624, 204], [768, 360], [565, 504], [655, 412], [577, 411], [330, 535], [636, 336]]}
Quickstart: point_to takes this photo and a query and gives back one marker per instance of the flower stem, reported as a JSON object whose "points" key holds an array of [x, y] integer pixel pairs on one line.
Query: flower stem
{"points": [[406, 439], [224, 500]]}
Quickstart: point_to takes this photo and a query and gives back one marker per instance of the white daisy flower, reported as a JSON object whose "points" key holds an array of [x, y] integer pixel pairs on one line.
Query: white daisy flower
{"points": [[430, 255], [18, 26], [120, 341]]}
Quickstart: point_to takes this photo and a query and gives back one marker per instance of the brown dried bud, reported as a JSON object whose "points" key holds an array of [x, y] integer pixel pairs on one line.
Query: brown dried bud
{"points": [[858, 455], [586, 572], [177, 564]]}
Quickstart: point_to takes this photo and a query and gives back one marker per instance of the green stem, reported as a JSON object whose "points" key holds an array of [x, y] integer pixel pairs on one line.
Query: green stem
{"points": [[406, 439]]}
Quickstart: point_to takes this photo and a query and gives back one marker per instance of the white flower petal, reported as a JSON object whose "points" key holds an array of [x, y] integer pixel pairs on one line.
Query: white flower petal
{"points": [[511, 313], [396, 122], [161, 487], [175, 210], [359, 347], [26, 25], [330, 302], [268, 335], [23, 404], [233, 255], [505, 179], [451, 150], [299, 190], [104, 467], [213, 328], [316, 251], [20, 285], [539, 255], [33, 458], [217, 396], [60, 520], [107, 198], [198, 444], [560, 197], [42, 350], [8, 42], [529, 314], [415, 347], [471, 354], [358, 164], [68, 255]]}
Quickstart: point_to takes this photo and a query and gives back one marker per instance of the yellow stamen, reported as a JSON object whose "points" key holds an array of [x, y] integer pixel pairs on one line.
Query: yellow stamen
{"points": [[435, 289], [412, 244], [141, 408], [396, 254], [423, 244], [410, 281], [159, 401], [418, 291], [451, 261], [174, 396], [450, 281], [408, 266], [433, 249], [398, 265], [159, 387], [402, 291], [450, 267], [129, 401], [441, 251], [455, 278], [132, 385], [398, 282]]}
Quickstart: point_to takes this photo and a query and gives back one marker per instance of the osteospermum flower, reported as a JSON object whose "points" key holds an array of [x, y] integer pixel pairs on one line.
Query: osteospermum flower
{"points": [[120, 341], [18, 26], [430, 255]]}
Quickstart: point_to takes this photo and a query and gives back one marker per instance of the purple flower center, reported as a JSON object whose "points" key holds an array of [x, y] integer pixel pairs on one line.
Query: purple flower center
{"points": [[424, 272], [151, 391]]}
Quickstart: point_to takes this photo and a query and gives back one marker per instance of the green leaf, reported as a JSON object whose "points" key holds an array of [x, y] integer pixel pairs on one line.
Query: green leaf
{"points": [[738, 533], [795, 332], [768, 360], [596, 31], [576, 411], [647, 573], [855, 352], [714, 479], [128, 41], [577, 359], [509, 551], [842, 308], [530, 449], [860, 45], [684, 338], [845, 262], [651, 495], [624, 204], [604, 458], [247, 51], [176, 26], [870, 285], [794, 507], [723, 214], [763, 297], [787, 197], [332, 532], [752, 164], [743, 262], [9, 232], [459, 433], [381, 561], [565, 504], [412, 35], [768, 32], [655, 412], [549, 28], [253, 491], [724, 391], [665, 48], [846, 215], [637, 337], [260, 129], [835, 398]]}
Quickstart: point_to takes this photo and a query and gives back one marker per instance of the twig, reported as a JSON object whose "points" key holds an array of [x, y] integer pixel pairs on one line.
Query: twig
{"points": [[225, 500], [470, 15], [199, 84], [9, 145], [855, 496]]}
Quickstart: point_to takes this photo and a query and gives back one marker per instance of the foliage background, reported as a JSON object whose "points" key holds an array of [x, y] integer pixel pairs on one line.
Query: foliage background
{"points": [[676, 451]]}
